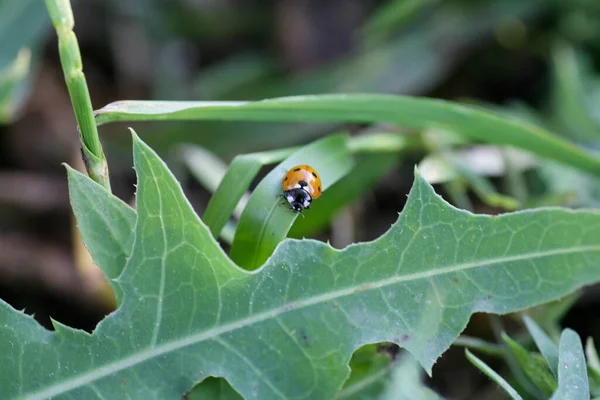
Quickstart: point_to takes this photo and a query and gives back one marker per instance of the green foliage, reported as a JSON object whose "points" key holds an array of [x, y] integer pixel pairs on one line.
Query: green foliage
{"points": [[566, 362], [289, 328], [534, 367], [22, 24], [548, 348], [264, 223], [418, 113], [572, 373], [483, 367]]}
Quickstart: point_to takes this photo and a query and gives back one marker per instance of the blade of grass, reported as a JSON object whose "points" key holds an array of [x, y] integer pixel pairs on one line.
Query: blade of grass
{"points": [[491, 349], [543, 342], [493, 375], [486, 192], [534, 367], [473, 122], [265, 222], [233, 182], [568, 98], [233, 185]]}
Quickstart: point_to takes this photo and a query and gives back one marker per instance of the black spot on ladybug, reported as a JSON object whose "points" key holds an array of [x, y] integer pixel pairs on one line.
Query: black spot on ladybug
{"points": [[319, 188], [302, 183], [315, 175], [297, 169], [285, 179]]}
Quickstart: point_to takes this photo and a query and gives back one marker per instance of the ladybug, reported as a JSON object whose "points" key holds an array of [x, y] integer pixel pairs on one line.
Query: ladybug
{"points": [[301, 185]]}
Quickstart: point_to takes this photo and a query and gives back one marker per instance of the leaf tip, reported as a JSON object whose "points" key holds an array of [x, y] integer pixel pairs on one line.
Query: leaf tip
{"points": [[134, 134]]}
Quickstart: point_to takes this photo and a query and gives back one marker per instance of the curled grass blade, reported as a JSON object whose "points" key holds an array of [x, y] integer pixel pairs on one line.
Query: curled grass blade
{"points": [[229, 184], [236, 180], [493, 375], [472, 122], [265, 222]]}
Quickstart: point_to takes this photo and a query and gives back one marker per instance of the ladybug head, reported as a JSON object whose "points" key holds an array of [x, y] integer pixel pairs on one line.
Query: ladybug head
{"points": [[298, 198]]}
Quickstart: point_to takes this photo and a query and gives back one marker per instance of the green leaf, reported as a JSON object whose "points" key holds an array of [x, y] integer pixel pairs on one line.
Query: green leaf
{"points": [[289, 329], [543, 342], [265, 222], [534, 367], [493, 375], [419, 113], [572, 373], [106, 225]]}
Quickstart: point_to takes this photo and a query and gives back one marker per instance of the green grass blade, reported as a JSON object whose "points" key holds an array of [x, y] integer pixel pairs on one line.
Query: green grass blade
{"points": [[569, 107], [534, 367], [265, 222], [473, 122], [485, 347], [493, 375], [486, 192], [543, 342], [234, 183], [230, 184]]}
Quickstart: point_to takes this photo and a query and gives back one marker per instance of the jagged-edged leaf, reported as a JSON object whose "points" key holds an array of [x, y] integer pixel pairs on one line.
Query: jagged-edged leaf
{"points": [[572, 372], [105, 222], [288, 329]]}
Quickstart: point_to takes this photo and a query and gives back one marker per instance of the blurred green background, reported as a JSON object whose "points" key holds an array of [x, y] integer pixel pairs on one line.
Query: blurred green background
{"points": [[537, 60]]}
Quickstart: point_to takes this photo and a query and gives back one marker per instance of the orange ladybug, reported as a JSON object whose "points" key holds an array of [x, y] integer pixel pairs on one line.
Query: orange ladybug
{"points": [[301, 185]]}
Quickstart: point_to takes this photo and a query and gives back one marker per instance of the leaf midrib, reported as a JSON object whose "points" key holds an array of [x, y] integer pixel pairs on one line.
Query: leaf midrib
{"points": [[147, 354]]}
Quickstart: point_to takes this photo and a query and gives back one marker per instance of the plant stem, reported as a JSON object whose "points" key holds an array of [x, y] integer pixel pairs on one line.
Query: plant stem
{"points": [[70, 59]]}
